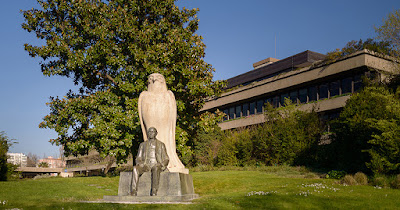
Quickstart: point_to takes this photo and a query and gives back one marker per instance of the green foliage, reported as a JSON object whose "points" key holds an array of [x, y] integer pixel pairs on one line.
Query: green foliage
{"points": [[43, 165], [353, 46], [6, 169], [385, 150], [244, 144], [335, 174], [207, 142], [288, 136], [207, 145], [390, 31], [109, 48], [383, 47], [367, 131], [227, 153], [229, 148]]}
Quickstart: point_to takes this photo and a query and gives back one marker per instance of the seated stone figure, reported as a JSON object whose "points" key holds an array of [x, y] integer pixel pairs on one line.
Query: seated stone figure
{"points": [[152, 156]]}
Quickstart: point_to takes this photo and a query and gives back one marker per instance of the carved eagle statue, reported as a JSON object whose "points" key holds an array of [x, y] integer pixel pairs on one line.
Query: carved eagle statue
{"points": [[157, 108]]}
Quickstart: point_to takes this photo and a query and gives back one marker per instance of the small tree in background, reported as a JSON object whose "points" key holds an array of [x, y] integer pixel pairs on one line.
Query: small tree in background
{"points": [[109, 48], [5, 168], [383, 47], [43, 165], [390, 32], [32, 160]]}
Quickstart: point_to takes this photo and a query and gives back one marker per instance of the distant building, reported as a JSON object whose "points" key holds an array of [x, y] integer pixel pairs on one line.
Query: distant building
{"points": [[53, 162], [17, 159], [304, 78], [90, 164]]}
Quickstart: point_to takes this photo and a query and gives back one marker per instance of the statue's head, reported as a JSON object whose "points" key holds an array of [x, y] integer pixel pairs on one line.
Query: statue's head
{"points": [[156, 82], [152, 133]]}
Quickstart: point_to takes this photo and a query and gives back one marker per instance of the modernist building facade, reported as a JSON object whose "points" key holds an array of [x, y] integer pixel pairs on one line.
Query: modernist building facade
{"points": [[19, 159], [304, 78]]}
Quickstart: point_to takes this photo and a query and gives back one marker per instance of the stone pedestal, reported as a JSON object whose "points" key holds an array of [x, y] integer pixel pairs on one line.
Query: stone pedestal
{"points": [[173, 187]]}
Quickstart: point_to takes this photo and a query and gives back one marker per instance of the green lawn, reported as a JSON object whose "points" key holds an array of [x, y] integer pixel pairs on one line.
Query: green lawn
{"points": [[217, 190]]}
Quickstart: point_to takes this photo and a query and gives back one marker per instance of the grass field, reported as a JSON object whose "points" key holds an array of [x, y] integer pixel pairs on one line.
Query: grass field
{"points": [[217, 190]]}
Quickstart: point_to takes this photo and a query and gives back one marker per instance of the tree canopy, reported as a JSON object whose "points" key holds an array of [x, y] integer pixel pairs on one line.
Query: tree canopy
{"points": [[109, 48], [390, 31], [382, 46]]}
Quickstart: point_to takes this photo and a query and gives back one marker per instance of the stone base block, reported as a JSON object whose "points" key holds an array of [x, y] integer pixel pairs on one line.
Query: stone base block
{"points": [[149, 199], [173, 187]]}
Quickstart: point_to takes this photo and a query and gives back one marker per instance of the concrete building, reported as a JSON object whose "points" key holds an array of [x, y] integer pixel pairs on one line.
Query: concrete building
{"points": [[90, 164], [304, 78], [53, 162], [17, 159]]}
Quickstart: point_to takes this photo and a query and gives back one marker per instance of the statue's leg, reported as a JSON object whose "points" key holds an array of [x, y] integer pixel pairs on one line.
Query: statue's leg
{"points": [[137, 171], [155, 179]]}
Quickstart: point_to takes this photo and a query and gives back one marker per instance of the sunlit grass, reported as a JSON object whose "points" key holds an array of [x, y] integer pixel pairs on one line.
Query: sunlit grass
{"points": [[217, 190]]}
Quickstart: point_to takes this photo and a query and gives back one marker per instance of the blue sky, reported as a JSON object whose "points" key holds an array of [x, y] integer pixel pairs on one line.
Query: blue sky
{"points": [[236, 33]]}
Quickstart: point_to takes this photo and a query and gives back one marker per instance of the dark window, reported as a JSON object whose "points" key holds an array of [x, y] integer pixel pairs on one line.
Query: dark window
{"points": [[371, 75], [357, 82], [226, 112], [346, 85], [283, 96], [268, 100], [260, 104], [232, 113], [334, 88], [312, 93], [252, 108], [275, 101], [293, 96], [303, 95], [323, 91], [238, 111], [245, 109]]}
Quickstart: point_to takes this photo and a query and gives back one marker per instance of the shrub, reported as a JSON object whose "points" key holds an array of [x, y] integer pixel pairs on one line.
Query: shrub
{"points": [[244, 147], [227, 152], [349, 180], [361, 178], [288, 136], [368, 133], [42, 176], [396, 182], [334, 174], [206, 146], [380, 180]]}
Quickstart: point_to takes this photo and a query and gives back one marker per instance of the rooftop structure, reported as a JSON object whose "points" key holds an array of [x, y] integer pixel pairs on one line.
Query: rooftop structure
{"points": [[304, 78]]}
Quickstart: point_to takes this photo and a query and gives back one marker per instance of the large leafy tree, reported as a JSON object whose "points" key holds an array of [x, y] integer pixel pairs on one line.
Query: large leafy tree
{"points": [[109, 48]]}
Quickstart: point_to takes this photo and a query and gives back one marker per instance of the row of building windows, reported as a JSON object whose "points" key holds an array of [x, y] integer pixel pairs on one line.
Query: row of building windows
{"points": [[301, 95]]}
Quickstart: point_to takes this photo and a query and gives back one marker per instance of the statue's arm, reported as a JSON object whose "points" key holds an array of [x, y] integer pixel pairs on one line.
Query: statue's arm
{"points": [[141, 96], [140, 155]]}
